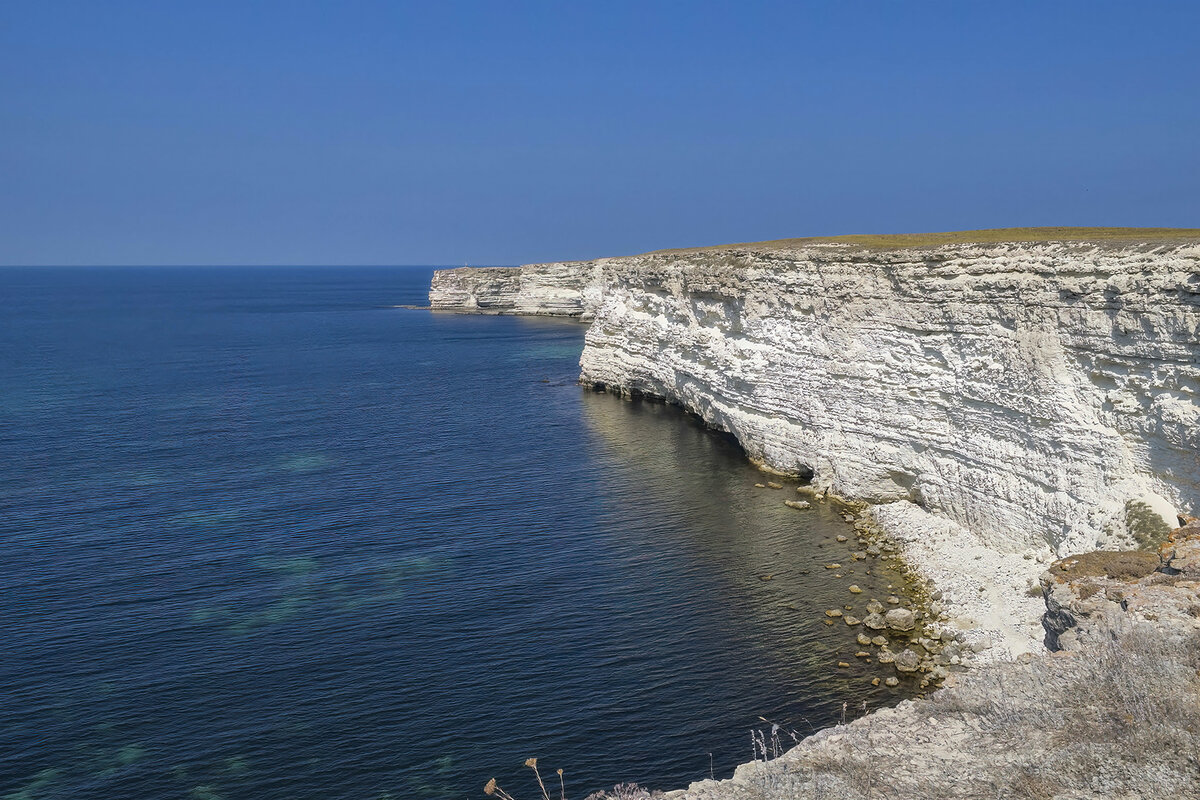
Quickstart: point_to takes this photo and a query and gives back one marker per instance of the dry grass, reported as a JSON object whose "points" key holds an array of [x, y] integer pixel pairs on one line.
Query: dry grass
{"points": [[1121, 720], [903, 241], [1125, 565]]}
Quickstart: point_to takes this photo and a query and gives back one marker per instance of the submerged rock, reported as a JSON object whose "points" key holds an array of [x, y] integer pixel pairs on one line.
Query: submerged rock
{"points": [[907, 661]]}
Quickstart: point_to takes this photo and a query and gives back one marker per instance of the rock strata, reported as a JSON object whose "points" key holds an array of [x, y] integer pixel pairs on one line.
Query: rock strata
{"points": [[1007, 402]]}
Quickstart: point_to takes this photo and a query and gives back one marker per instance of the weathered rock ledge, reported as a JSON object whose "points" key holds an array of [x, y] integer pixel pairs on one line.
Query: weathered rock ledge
{"points": [[1113, 711]]}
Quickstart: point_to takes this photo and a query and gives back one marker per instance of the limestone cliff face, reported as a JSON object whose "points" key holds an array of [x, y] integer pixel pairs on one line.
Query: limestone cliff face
{"points": [[1029, 393], [560, 290]]}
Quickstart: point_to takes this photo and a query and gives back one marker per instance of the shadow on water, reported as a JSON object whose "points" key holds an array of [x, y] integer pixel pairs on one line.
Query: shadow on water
{"points": [[770, 559], [264, 539]]}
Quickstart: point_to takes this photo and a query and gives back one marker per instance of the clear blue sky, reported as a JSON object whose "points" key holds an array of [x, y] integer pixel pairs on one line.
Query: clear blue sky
{"points": [[443, 132]]}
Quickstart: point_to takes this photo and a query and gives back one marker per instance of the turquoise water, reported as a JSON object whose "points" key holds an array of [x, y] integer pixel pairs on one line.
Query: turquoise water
{"points": [[266, 536]]}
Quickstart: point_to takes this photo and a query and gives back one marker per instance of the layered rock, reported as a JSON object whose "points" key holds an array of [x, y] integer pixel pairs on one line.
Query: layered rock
{"points": [[1006, 401], [557, 290]]}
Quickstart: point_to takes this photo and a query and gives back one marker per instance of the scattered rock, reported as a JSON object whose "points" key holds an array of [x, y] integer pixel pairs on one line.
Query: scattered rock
{"points": [[875, 607], [852, 621], [766, 577], [854, 589], [892, 681], [774, 485], [879, 641], [875, 622], [799, 504], [893, 600], [833, 566], [843, 664], [863, 639], [842, 538], [760, 486], [862, 654], [833, 612], [859, 555], [874, 681], [848, 517], [886, 656]]}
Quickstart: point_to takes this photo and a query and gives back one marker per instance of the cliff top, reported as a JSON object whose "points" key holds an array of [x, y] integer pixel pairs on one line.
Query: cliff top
{"points": [[903, 241]]}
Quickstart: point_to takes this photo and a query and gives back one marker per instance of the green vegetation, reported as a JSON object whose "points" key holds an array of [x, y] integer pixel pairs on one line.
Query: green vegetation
{"points": [[902, 241], [1149, 529]]}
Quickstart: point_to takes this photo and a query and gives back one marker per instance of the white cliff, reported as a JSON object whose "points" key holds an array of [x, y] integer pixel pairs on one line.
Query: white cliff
{"points": [[560, 290], [999, 401]]}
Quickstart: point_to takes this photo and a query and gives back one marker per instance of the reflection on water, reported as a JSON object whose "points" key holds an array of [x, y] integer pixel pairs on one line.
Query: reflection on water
{"points": [[770, 559], [262, 539]]}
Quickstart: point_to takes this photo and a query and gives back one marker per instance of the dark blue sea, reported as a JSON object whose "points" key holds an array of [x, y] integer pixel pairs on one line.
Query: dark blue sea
{"points": [[264, 535]]}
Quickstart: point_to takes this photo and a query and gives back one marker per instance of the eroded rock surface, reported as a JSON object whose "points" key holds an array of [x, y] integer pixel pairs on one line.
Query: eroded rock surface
{"points": [[1005, 402], [1090, 595]]}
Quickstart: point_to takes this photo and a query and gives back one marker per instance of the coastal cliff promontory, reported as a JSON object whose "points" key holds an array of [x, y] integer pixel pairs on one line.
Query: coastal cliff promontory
{"points": [[1007, 403], [1002, 397]]}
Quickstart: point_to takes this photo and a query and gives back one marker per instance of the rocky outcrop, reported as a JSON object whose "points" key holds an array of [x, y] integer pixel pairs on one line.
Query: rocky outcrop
{"points": [[557, 290], [1089, 596]]}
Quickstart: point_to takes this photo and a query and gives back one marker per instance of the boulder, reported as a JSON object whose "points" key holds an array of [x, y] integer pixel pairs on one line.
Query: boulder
{"points": [[900, 619], [1180, 554], [907, 661], [875, 622]]}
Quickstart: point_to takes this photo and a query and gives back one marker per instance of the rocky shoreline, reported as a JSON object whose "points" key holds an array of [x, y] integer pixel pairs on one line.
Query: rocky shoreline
{"points": [[1111, 710], [985, 408]]}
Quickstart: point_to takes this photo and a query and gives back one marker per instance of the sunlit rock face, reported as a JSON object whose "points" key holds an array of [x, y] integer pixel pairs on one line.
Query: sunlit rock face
{"points": [[561, 290], [1038, 393]]}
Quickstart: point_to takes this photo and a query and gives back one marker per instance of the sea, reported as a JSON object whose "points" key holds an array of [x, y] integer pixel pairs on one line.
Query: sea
{"points": [[265, 534]]}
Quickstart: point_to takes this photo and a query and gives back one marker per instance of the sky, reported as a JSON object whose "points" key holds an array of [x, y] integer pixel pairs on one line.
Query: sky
{"points": [[446, 132]]}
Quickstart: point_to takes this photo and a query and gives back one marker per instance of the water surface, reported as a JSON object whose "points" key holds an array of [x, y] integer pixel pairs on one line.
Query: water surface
{"points": [[266, 536]]}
